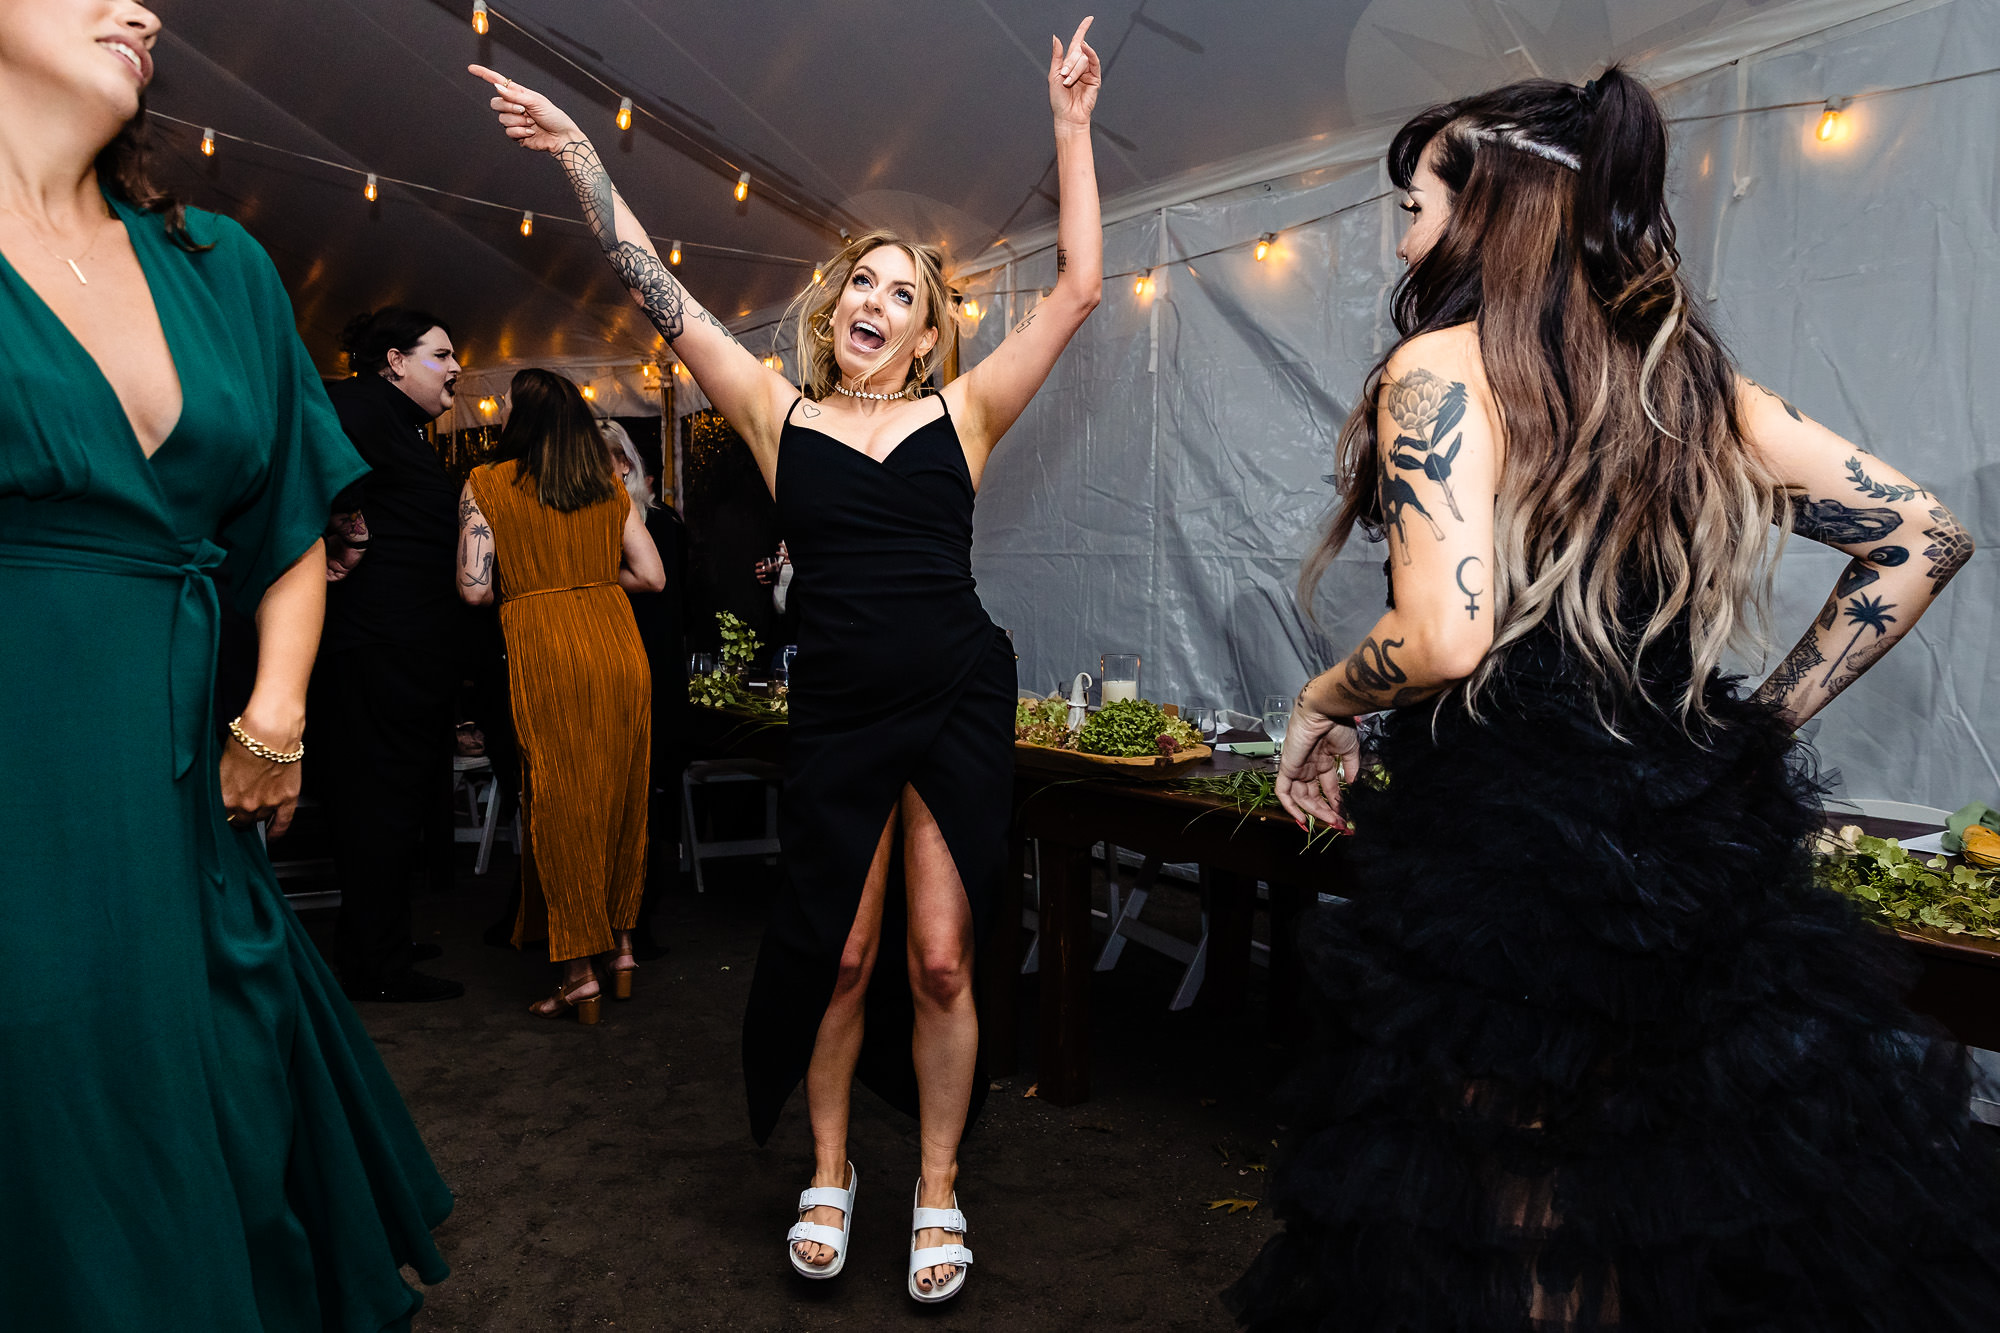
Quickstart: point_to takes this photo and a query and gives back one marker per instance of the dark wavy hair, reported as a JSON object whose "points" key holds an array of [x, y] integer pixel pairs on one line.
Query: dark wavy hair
{"points": [[560, 452], [124, 171], [1624, 453], [368, 337]]}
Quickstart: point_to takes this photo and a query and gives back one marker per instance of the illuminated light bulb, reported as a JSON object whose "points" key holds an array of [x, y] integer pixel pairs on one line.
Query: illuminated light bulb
{"points": [[371, 192], [742, 186], [1264, 244], [624, 113], [819, 277], [590, 393], [487, 405], [527, 224], [680, 369], [1829, 123], [208, 143], [972, 310], [479, 22], [674, 254], [1144, 286]]}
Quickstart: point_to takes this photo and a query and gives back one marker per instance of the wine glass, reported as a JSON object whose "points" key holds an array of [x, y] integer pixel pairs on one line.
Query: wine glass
{"points": [[701, 664], [1277, 717]]}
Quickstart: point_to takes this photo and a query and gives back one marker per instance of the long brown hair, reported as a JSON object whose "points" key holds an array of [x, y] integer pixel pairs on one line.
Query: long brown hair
{"points": [[1624, 454], [812, 314], [553, 436], [124, 172]]}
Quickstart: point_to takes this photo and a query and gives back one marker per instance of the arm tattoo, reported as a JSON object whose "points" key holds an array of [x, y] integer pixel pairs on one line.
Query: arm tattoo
{"points": [[1858, 664], [349, 529], [1858, 575], [475, 545], [1062, 260], [1864, 613], [1427, 409], [657, 291], [1790, 411], [1950, 548], [1471, 594], [1794, 671], [1876, 490], [1371, 670], [1837, 524], [1026, 320]]}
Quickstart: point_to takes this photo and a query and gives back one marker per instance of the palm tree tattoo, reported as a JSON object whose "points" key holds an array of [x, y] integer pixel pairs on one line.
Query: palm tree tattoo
{"points": [[1864, 613]]}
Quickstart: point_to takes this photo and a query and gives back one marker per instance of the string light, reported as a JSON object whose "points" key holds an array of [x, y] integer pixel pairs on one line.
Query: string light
{"points": [[972, 310], [370, 191], [680, 370], [819, 278], [527, 223], [487, 405], [624, 113], [1264, 243], [674, 255], [479, 23], [1144, 286], [1829, 120], [590, 393], [208, 143], [742, 186]]}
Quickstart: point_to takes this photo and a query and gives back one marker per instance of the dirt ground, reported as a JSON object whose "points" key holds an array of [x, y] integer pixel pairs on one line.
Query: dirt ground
{"points": [[606, 1177]]}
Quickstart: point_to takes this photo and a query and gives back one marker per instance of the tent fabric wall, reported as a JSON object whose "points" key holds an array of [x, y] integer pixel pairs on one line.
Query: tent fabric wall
{"points": [[1159, 494]]}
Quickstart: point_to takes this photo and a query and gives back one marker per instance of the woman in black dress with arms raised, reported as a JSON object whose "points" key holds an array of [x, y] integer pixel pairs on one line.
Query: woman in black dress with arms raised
{"points": [[1596, 1052], [903, 691]]}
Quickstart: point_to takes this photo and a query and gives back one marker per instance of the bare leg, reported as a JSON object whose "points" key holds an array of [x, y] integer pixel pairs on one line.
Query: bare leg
{"points": [[946, 1043], [830, 1077]]}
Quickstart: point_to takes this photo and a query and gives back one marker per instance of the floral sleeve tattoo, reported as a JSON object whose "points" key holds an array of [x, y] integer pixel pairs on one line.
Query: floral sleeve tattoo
{"points": [[657, 291], [1427, 411]]}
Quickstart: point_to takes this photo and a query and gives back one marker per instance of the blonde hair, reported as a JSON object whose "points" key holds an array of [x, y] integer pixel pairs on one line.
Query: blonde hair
{"points": [[811, 313]]}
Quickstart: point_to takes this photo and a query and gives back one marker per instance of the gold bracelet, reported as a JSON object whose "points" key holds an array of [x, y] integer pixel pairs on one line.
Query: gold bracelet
{"points": [[261, 750]]}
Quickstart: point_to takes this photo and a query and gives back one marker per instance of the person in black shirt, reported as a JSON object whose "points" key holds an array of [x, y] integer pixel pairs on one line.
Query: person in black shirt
{"points": [[386, 667]]}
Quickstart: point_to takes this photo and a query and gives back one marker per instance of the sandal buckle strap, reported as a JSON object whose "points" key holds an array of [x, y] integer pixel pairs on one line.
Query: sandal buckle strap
{"points": [[833, 1237], [824, 1196], [943, 1219], [940, 1254]]}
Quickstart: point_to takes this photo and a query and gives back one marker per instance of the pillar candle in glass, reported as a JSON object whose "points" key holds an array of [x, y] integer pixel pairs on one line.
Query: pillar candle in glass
{"points": [[1118, 677]]}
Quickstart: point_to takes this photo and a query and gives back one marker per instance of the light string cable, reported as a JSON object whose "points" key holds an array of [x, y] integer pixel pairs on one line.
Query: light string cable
{"points": [[1266, 238], [773, 185], [207, 132]]}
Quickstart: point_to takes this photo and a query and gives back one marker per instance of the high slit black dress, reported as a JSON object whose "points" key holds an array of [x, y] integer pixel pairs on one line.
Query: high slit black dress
{"points": [[901, 679], [1589, 1028]]}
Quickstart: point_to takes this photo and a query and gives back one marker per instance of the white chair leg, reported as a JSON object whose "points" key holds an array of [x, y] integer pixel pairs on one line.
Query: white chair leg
{"points": [[1191, 979], [1031, 917], [688, 838], [491, 827]]}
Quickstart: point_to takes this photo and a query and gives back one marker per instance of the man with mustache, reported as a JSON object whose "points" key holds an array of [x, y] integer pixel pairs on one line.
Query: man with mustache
{"points": [[383, 685]]}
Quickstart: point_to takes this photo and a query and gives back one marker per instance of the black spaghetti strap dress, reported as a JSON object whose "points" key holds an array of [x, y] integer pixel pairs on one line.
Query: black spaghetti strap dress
{"points": [[901, 679]]}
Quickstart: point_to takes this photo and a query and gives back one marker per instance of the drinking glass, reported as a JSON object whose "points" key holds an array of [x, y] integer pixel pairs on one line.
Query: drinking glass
{"points": [[1203, 720], [781, 665], [1117, 677], [701, 664], [1277, 716]]}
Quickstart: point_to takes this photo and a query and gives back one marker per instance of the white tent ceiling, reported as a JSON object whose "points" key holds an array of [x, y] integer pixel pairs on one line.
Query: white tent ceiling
{"points": [[926, 116]]}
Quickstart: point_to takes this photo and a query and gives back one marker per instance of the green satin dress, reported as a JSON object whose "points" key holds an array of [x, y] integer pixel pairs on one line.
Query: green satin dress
{"points": [[195, 1131]]}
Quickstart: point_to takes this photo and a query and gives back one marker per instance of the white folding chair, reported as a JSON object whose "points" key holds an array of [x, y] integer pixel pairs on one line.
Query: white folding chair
{"points": [[709, 772]]}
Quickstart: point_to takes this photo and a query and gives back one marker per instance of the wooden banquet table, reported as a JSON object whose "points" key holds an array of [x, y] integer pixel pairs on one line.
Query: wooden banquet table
{"points": [[1958, 983]]}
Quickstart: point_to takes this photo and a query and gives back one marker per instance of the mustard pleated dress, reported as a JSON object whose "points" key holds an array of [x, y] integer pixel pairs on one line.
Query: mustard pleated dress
{"points": [[582, 696]]}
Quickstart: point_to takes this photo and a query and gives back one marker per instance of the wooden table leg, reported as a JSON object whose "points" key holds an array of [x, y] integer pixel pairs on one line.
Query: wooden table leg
{"points": [[1231, 900], [1066, 957], [1000, 971], [1288, 903]]}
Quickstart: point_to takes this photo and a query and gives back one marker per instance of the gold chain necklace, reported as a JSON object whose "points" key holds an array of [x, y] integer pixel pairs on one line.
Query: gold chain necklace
{"points": [[74, 264]]}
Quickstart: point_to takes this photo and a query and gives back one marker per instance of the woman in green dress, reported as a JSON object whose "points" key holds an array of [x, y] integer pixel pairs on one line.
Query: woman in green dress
{"points": [[195, 1131]]}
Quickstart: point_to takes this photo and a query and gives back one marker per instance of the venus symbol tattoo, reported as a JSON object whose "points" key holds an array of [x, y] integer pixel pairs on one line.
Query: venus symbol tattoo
{"points": [[1471, 594]]}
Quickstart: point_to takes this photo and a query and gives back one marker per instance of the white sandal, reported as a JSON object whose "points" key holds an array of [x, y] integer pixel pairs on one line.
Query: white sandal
{"points": [[834, 1238], [944, 1219]]}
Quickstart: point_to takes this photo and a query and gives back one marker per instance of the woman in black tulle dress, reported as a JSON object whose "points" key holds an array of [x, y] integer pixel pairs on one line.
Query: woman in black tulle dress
{"points": [[1595, 1052], [901, 740]]}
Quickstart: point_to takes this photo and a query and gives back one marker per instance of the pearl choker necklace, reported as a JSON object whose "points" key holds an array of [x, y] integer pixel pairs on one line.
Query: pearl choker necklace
{"points": [[878, 397]]}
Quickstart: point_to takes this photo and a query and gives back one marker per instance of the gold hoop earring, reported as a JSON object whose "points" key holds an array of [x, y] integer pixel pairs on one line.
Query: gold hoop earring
{"points": [[823, 334]]}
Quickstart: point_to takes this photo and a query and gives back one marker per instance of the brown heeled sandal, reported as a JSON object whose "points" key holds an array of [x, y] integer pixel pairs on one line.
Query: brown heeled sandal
{"points": [[586, 1009], [621, 977]]}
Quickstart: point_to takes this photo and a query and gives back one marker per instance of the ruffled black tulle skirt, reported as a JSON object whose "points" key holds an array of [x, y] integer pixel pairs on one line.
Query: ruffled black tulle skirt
{"points": [[1592, 1051]]}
